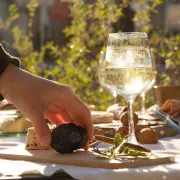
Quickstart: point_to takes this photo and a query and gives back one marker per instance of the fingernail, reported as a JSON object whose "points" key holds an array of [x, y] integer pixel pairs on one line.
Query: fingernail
{"points": [[45, 140]]}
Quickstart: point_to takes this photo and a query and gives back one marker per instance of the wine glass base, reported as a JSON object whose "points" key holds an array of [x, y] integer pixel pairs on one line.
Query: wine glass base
{"points": [[132, 140]]}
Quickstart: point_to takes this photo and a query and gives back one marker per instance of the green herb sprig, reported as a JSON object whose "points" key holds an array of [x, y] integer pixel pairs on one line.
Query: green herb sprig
{"points": [[119, 149]]}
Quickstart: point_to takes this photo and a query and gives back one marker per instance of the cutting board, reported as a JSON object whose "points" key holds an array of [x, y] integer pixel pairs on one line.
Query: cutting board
{"points": [[78, 158]]}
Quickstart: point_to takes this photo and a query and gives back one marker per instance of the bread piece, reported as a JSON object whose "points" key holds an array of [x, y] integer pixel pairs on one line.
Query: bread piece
{"points": [[117, 110], [124, 118], [112, 108], [101, 117], [18, 126], [32, 142], [123, 131], [6, 122], [91, 107], [147, 136], [5, 105]]}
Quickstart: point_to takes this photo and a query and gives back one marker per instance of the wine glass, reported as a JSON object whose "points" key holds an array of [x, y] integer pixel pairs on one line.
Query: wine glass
{"points": [[128, 68], [143, 93], [101, 75]]}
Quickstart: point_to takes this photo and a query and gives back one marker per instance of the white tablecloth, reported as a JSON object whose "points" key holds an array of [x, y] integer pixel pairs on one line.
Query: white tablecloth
{"points": [[159, 172]]}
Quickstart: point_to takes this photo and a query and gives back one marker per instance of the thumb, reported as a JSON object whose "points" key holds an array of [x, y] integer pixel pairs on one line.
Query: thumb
{"points": [[41, 129]]}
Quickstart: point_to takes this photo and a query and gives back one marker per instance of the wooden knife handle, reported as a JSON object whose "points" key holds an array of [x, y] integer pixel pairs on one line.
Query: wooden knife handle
{"points": [[137, 147], [104, 139]]}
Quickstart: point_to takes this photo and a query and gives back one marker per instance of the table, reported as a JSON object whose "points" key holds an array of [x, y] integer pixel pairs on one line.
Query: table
{"points": [[160, 172]]}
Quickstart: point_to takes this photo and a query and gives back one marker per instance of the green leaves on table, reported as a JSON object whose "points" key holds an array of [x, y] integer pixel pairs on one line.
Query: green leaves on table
{"points": [[120, 150]]}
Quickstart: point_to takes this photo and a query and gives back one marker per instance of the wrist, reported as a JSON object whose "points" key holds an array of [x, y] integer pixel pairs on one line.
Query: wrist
{"points": [[7, 80]]}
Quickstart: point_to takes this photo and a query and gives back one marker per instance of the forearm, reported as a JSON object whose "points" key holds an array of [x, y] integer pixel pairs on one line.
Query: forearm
{"points": [[14, 80], [8, 71]]}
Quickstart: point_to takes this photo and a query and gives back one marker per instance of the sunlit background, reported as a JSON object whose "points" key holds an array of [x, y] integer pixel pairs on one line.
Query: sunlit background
{"points": [[62, 40]]}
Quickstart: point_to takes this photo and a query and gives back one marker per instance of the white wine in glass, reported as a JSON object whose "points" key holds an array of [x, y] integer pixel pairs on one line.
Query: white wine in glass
{"points": [[128, 68], [143, 93], [102, 76]]}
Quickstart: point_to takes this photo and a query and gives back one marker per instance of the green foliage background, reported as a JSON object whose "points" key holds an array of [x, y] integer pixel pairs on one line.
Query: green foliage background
{"points": [[76, 63]]}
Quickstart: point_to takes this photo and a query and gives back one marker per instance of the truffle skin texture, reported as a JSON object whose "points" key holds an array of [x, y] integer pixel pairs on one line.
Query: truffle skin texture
{"points": [[68, 137]]}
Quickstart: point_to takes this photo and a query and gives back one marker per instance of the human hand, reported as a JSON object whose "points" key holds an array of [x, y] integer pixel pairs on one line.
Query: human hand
{"points": [[40, 98], [171, 107]]}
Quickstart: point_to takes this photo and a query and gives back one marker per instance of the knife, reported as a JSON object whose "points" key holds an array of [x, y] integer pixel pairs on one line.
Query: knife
{"points": [[170, 121]]}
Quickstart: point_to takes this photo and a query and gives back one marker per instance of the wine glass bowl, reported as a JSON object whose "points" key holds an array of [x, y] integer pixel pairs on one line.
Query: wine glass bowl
{"points": [[101, 75], [128, 68], [143, 93]]}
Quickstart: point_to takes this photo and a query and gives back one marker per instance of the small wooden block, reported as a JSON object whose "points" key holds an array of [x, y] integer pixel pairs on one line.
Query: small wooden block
{"points": [[32, 141]]}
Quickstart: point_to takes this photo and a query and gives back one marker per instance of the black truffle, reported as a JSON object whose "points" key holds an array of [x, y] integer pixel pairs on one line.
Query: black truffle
{"points": [[68, 137]]}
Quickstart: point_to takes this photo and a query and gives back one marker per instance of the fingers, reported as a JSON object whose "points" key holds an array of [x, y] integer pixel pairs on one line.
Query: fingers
{"points": [[42, 130], [55, 119], [72, 110], [86, 147], [56, 114], [80, 114]]}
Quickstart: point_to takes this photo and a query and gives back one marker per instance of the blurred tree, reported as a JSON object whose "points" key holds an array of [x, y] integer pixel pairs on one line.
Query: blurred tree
{"points": [[164, 46]]}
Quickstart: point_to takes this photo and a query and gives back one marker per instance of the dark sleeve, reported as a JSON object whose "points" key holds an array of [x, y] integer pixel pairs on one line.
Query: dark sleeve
{"points": [[5, 59]]}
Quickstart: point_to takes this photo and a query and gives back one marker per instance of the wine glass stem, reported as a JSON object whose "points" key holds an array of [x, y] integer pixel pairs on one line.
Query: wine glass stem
{"points": [[131, 135], [143, 108]]}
